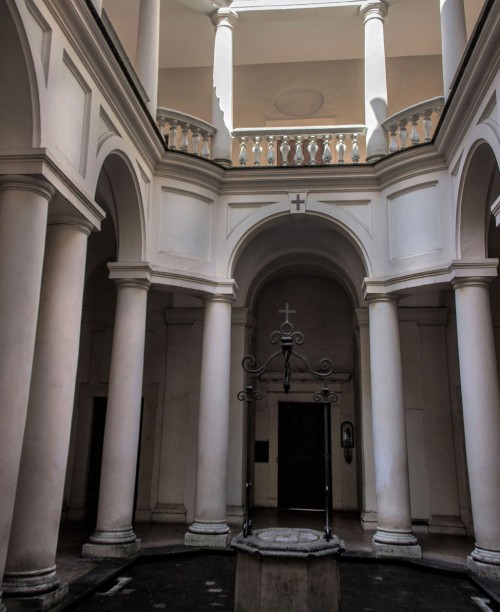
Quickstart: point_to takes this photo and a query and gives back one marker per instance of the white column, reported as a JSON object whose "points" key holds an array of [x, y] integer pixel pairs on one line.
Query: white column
{"points": [[373, 13], [210, 525], [114, 536], [369, 497], [23, 222], [30, 567], [481, 412], [394, 535], [148, 49], [224, 21], [453, 39]]}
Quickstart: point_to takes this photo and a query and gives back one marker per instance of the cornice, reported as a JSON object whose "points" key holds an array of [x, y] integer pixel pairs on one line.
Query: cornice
{"points": [[439, 278], [199, 285], [480, 65], [195, 170], [79, 25], [39, 162]]}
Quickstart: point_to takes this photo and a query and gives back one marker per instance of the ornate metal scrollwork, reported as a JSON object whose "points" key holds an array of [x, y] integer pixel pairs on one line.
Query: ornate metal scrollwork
{"points": [[288, 337]]}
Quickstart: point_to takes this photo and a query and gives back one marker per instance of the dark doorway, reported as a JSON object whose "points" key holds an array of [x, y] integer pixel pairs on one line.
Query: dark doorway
{"points": [[301, 467], [95, 460]]}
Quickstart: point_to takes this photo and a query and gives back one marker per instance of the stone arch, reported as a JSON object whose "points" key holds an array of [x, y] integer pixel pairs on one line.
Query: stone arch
{"points": [[310, 243], [478, 191], [19, 102], [118, 192]]}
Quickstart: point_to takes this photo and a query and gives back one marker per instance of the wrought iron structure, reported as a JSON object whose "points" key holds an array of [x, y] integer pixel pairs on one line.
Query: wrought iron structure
{"points": [[288, 338], [249, 395]]}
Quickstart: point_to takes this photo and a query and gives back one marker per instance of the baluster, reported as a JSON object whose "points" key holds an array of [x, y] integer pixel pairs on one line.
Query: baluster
{"points": [[393, 144], [427, 124], [195, 140], [340, 148], [257, 150], [172, 136], [403, 133], [299, 154], [161, 126], [415, 136], [285, 150], [313, 149], [355, 149], [205, 149], [184, 146], [327, 153], [243, 151], [271, 157]]}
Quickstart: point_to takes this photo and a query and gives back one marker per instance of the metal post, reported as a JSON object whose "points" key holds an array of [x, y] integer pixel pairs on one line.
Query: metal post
{"points": [[326, 398], [249, 395]]}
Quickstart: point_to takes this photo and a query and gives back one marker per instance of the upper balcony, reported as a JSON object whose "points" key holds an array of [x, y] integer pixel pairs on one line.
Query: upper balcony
{"points": [[295, 82]]}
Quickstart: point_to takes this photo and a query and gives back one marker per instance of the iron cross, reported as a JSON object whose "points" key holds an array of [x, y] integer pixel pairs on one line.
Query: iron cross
{"points": [[298, 201], [287, 310]]}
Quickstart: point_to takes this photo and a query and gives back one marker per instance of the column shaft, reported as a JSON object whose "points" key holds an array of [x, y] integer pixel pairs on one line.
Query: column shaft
{"points": [[374, 12], [481, 411], [394, 533], [114, 536], [30, 567], [23, 222], [222, 97], [453, 39], [369, 497], [210, 526], [148, 49]]}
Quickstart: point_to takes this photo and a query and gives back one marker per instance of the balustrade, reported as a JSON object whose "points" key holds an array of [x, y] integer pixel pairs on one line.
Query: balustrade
{"points": [[299, 146], [185, 133], [413, 125]]}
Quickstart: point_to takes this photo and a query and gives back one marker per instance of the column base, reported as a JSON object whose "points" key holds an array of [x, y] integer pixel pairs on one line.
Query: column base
{"points": [[485, 563], [112, 545], [36, 603], [208, 534], [30, 584], [227, 163], [396, 544]]}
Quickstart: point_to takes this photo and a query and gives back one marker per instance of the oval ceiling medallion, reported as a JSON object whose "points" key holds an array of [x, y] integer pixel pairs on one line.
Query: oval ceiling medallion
{"points": [[299, 101]]}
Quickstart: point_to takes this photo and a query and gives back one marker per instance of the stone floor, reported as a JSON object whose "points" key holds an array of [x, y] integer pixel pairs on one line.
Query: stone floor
{"points": [[439, 552], [452, 550]]}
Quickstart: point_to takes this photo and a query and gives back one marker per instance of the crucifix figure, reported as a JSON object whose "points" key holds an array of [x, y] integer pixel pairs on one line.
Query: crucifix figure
{"points": [[287, 310], [298, 201]]}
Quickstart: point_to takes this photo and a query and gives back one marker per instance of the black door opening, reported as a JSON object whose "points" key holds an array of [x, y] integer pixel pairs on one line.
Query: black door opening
{"points": [[301, 464]]}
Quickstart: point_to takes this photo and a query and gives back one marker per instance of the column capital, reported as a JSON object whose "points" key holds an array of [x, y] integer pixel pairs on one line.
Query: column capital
{"points": [[27, 182], [381, 297], [373, 9], [72, 222], [472, 281], [224, 17], [219, 298], [136, 283]]}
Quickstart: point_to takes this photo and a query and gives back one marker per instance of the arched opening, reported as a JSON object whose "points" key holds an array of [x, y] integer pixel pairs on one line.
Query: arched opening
{"points": [[479, 192], [18, 106], [119, 240], [314, 267]]}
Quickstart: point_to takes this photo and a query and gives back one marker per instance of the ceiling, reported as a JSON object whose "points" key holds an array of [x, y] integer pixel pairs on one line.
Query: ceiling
{"points": [[276, 36]]}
